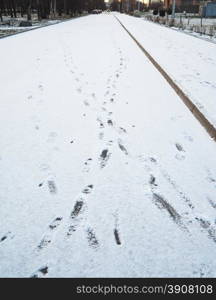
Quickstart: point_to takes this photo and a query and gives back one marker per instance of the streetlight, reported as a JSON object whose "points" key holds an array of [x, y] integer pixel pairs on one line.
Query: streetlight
{"points": [[149, 4], [173, 8]]}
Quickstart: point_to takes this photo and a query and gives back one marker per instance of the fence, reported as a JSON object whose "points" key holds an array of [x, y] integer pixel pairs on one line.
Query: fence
{"points": [[196, 25]]}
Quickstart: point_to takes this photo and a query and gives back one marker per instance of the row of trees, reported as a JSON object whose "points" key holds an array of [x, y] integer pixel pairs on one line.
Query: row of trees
{"points": [[123, 5], [131, 5], [156, 6], [47, 8]]}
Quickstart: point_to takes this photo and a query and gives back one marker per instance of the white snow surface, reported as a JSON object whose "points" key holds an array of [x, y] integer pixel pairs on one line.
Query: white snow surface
{"points": [[103, 170], [190, 61]]}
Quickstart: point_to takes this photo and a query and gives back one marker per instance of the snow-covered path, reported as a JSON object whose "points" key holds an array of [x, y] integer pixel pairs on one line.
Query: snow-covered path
{"points": [[103, 170], [191, 62]]}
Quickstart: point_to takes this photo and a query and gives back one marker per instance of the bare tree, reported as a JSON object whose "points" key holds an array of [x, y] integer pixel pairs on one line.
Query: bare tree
{"points": [[29, 10], [47, 8]]}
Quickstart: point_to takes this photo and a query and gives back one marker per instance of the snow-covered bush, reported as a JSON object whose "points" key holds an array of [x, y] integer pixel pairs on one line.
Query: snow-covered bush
{"points": [[157, 19], [137, 13], [163, 21], [171, 22]]}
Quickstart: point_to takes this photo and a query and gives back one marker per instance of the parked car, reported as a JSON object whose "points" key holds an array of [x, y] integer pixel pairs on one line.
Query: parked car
{"points": [[96, 11], [25, 24]]}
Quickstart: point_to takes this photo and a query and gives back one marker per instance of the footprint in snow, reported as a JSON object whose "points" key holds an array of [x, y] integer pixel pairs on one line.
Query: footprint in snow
{"points": [[5, 237], [116, 230], [117, 237], [44, 167], [208, 227], [152, 181], [100, 123], [212, 203], [86, 103], [188, 138], [104, 157], [88, 189], [52, 136], [101, 135], [110, 122], [92, 240], [179, 147], [122, 130], [179, 157], [203, 271], [40, 86], [87, 165], [110, 143], [52, 187], [43, 271], [78, 209], [122, 148], [48, 236]]}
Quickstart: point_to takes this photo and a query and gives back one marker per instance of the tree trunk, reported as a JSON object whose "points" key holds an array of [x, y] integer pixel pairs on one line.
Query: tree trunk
{"points": [[54, 8], [51, 9], [65, 7], [29, 10], [14, 8], [1, 10], [21, 11], [39, 10], [10, 9]]}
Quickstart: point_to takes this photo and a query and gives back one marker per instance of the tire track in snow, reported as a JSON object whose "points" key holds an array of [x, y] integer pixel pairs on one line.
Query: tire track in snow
{"points": [[162, 203], [189, 219]]}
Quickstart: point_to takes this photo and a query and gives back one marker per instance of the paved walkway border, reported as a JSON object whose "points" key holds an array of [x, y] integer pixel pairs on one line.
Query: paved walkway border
{"points": [[195, 111]]}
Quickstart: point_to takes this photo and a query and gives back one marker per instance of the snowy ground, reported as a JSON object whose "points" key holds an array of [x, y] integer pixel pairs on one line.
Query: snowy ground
{"points": [[103, 170], [188, 60], [190, 26], [188, 19], [6, 30]]}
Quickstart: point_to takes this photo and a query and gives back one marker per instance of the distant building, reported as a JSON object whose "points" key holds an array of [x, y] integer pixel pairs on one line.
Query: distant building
{"points": [[184, 5], [208, 10], [128, 5]]}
